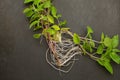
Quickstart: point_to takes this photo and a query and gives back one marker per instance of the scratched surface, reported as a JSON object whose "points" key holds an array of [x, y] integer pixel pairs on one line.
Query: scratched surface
{"points": [[23, 58]]}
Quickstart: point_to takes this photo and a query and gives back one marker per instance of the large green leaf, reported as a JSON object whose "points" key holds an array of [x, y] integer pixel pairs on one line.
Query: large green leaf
{"points": [[108, 66], [115, 57], [115, 41], [76, 38]]}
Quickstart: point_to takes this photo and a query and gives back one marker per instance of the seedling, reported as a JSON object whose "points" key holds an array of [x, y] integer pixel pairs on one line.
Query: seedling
{"points": [[65, 45]]}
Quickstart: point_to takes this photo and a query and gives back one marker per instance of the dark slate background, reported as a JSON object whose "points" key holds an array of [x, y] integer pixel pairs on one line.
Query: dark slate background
{"points": [[23, 58]]}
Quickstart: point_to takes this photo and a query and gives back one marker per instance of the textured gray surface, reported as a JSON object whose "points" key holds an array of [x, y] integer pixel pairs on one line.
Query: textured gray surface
{"points": [[21, 56]]}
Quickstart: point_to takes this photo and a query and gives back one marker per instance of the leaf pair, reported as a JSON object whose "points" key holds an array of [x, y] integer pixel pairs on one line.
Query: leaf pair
{"points": [[113, 43], [106, 63]]}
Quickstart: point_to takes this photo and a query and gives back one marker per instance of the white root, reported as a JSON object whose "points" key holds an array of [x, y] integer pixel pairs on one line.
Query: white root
{"points": [[65, 50]]}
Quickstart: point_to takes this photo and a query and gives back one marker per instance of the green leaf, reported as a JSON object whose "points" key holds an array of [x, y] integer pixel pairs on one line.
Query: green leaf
{"points": [[54, 11], [100, 49], [56, 27], [51, 31], [28, 1], [47, 4], [37, 1], [37, 36], [43, 17], [63, 23], [57, 37], [115, 41], [92, 43], [106, 63], [50, 18], [37, 28], [116, 50], [35, 16], [59, 15], [28, 12], [65, 29], [87, 46], [115, 57], [102, 37], [108, 66], [107, 42], [33, 24], [101, 62], [40, 7], [76, 38], [89, 29]]}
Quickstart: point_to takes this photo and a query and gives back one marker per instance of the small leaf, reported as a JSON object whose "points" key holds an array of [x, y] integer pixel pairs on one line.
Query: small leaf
{"points": [[92, 43], [40, 7], [43, 17], [76, 38], [57, 37], [28, 1], [50, 18], [51, 31], [102, 36], [56, 27], [116, 50], [101, 62], [37, 1], [87, 46], [54, 11], [63, 23], [100, 49], [34, 17], [106, 54], [59, 15], [33, 24], [37, 28], [107, 42], [115, 57], [47, 4], [115, 41], [89, 29], [36, 36], [65, 29], [28, 12]]}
